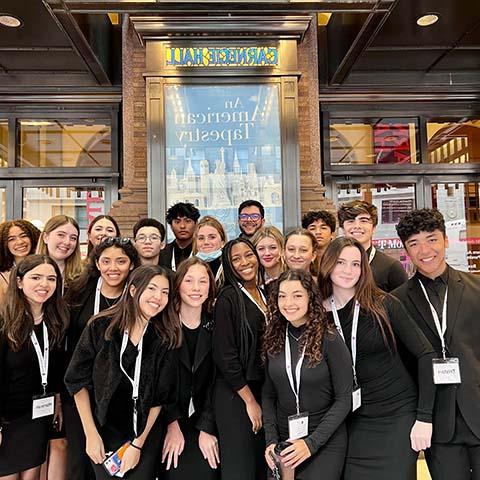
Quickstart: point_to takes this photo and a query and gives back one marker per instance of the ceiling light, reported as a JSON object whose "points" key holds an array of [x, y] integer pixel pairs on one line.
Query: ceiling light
{"points": [[10, 21], [427, 20]]}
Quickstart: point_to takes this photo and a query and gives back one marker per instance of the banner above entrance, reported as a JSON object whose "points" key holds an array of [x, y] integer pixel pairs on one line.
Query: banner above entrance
{"points": [[231, 56]]}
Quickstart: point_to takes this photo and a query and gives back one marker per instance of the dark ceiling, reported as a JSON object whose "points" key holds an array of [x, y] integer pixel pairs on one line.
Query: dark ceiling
{"points": [[366, 42]]}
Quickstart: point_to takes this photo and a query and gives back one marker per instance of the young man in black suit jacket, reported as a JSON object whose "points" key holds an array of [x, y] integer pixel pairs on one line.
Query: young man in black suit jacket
{"points": [[434, 289], [182, 218], [358, 219]]}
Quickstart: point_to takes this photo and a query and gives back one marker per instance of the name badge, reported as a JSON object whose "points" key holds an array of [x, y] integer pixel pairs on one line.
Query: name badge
{"points": [[191, 408], [43, 406], [298, 426], [356, 399], [446, 371]]}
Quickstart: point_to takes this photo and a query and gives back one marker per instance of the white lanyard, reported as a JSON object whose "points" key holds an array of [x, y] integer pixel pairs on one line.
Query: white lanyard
{"points": [[247, 293], [219, 273], [298, 369], [42, 359], [373, 251], [441, 329], [353, 341], [96, 305], [174, 263], [136, 376]]}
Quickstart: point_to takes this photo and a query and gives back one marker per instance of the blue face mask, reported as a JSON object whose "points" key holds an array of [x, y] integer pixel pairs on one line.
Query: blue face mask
{"points": [[210, 256]]}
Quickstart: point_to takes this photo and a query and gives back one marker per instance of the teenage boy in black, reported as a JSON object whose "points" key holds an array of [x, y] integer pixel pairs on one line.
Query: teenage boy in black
{"points": [[149, 238], [323, 225], [358, 219], [251, 218], [182, 218], [455, 450]]}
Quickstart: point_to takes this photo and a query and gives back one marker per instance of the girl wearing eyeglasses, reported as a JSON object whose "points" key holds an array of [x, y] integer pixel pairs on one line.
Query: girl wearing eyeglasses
{"points": [[98, 288], [32, 326], [123, 371]]}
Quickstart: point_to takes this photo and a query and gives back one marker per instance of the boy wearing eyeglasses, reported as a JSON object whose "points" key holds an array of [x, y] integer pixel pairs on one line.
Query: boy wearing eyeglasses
{"points": [[251, 217], [358, 219], [149, 237]]}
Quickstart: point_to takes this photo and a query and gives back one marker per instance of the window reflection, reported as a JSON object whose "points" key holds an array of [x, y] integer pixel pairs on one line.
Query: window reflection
{"points": [[64, 143], [393, 201], [3, 204], [459, 204], [3, 143], [373, 141], [454, 142]]}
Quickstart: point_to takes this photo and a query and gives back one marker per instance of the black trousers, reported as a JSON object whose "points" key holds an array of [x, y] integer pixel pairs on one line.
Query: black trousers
{"points": [[241, 451], [78, 462], [458, 459]]}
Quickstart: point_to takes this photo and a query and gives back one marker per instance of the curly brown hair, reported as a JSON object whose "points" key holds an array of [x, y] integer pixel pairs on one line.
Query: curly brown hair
{"points": [[6, 258], [317, 325]]}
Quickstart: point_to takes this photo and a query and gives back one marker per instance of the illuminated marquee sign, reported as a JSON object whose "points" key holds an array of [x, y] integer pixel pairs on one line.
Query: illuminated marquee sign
{"points": [[222, 56]]}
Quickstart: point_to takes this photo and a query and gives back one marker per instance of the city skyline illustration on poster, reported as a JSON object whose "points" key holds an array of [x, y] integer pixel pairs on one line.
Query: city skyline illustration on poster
{"points": [[223, 146]]}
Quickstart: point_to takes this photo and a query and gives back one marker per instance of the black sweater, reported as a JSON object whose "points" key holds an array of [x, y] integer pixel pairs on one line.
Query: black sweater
{"points": [[325, 393], [387, 387], [95, 366]]}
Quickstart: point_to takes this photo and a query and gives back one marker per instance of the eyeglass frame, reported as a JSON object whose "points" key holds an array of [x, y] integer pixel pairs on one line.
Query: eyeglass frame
{"points": [[120, 241], [148, 237], [250, 216]]}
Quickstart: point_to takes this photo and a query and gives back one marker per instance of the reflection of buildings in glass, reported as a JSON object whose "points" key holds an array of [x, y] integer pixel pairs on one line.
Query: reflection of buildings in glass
{"points": [[221, 188]]}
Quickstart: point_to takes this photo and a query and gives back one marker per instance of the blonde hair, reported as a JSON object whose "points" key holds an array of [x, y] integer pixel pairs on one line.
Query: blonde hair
{"points": [[210, 222], [73, 264], [271, 232], [303, 232]]}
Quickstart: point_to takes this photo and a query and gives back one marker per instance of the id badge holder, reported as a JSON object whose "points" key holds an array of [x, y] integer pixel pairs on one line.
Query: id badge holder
{"points": [[43, 405], [298, 426], [356, 398], [446, 371]]}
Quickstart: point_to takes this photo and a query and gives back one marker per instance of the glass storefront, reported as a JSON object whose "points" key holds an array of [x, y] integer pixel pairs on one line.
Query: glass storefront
{"points": [[223, 146], [392, 202], [373, 141], [3, 143], [45, 143]]}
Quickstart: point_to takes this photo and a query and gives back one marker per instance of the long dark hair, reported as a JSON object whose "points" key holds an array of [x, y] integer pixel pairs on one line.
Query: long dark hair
{"points": [[125, 312], [17, 318], [92, 224], [182, 270], [90, 272], [233, 280], [368, 295], [317, 325], [6, 258]]}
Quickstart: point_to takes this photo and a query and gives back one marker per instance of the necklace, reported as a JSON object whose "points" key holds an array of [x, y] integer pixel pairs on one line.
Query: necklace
{"points": [[110, 301], [293, 336]]}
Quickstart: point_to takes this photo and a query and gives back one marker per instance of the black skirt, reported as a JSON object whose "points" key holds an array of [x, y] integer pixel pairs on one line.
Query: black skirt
{"points": [[24, 444], [379, 448]]}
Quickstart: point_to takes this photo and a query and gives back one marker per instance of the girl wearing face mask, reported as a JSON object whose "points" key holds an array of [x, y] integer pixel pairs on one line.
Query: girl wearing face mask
{"points": [[391, 423], [239, 322], [269, 243], [301, 251], [123, 371], [208, 241], [59, 240], [99, 228], [18, 238], [99, 287], [33, 322], [190, 449], [308, 374]]}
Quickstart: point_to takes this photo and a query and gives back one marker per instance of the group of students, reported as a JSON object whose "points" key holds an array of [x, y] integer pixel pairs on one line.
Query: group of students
{"points": [[302, 357]]}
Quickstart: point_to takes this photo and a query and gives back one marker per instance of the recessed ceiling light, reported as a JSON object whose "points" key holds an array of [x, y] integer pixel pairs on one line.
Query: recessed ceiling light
{"points": [[427, 20], [10, 21]]}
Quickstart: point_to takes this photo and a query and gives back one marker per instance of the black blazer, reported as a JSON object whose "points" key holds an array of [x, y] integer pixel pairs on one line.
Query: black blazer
{"points": [[462, 340], [196, 380], [166, 254], [95, 365], [388, 272]]}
